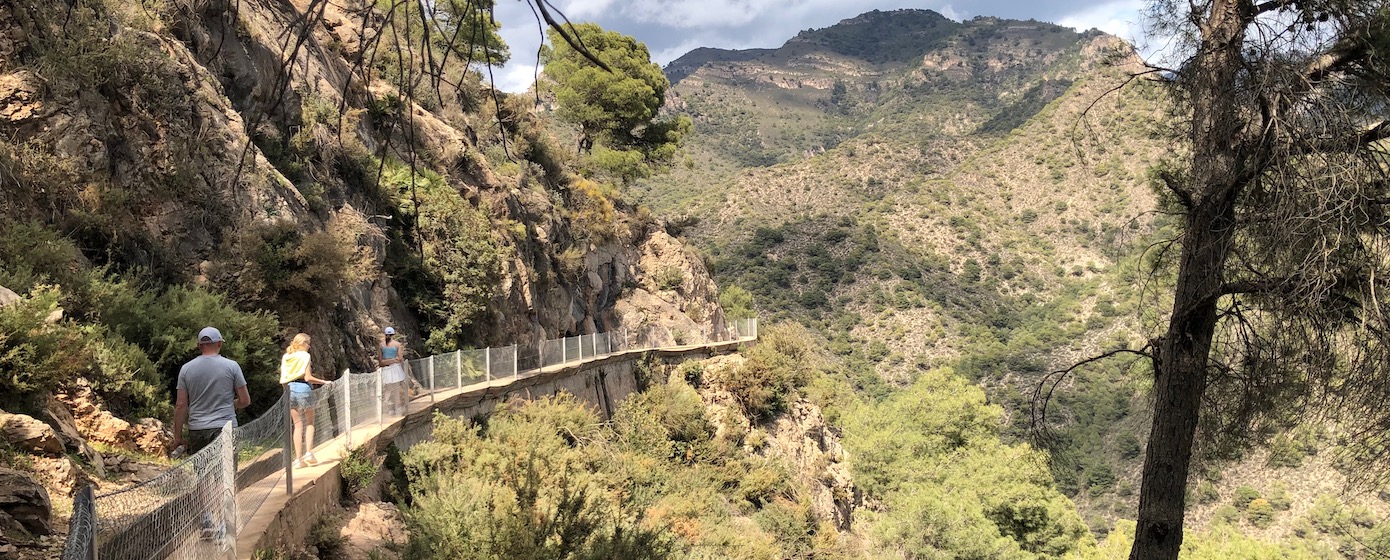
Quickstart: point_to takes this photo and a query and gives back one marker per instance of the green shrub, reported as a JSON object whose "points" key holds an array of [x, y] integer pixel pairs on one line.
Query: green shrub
{"points": [[737, 303], [1243, 496], [773, 370], [325, 537], [669, 278], [1288, 451], [523, 491], [41, 354], [1279, 496], [791, 523], [692, 373], [278, 266], [1260, 513], [666, 420], [1226, 514], [1206, 493], [358, 469], [446, 265]]}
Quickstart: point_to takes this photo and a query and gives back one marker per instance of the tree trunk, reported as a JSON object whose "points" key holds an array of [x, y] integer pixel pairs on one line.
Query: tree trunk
{"points": [[1180, 365], [1180, 378]]}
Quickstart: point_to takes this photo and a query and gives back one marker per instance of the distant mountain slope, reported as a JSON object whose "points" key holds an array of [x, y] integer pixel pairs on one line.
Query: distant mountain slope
{"points": [[972, 204]]}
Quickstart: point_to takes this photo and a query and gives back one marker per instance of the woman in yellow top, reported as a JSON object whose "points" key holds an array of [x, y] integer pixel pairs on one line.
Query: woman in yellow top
{"points": [[294, 373]]}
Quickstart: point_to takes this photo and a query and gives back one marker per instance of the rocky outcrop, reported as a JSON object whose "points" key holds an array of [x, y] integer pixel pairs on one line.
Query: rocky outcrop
{"points": [[799, 437], [28, 434], [65, 426], [61, 475], [376, 531], [24, 504], [7, 296], [95, 424], [186, 161], [802, 437]]}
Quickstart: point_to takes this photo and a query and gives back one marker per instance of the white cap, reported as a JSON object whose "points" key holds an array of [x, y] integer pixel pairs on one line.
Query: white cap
{"points": [[390, 330], [209, 334]]}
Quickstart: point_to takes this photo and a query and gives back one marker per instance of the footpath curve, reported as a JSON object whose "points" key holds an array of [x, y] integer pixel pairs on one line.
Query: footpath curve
{"points": [[286, 516]]}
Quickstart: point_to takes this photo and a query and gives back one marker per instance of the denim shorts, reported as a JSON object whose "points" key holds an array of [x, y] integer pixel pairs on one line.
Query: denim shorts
{"points": [[301, 399]]}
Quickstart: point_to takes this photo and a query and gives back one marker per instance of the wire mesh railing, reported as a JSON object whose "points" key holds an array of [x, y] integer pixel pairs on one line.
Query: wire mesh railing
{"points": [[188, 511], [260, 453], [196, 508], [82, 527]]}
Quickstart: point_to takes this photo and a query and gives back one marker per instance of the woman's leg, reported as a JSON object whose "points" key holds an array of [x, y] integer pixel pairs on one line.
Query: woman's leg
{"points": [[298, 420], [309, 430]]}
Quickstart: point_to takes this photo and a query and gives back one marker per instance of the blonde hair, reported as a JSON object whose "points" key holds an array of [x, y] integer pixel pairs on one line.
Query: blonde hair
{"points": [[299, 344]]}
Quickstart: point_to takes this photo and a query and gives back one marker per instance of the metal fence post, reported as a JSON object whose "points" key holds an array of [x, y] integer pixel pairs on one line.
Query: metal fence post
{"points": [[91, 505], [431, 369], [514, 364], [458, 367], [487, 363], [564, 350], [229, 483], [347, 403], [377, 375], [289, 444]]}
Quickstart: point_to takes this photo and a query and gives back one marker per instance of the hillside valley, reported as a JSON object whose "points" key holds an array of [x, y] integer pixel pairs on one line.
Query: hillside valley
{"points": [[932, 220], [980, 195]]}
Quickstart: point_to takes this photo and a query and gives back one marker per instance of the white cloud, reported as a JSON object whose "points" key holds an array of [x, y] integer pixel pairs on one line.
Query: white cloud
{"points": [[696, 13], [515, 77], [1118, 17], [578, 10], [671, 28]]}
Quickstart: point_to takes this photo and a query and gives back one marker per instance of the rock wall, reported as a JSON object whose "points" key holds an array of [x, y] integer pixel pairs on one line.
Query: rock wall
{"points": [[171, 140]]}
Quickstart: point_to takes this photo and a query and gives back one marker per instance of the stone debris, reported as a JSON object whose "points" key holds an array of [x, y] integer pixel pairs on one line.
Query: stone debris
{"points": [[25, 501], [27, 433]]}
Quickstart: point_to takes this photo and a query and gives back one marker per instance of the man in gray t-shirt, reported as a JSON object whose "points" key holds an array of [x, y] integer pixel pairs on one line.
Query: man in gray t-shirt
{"points": [[210, 390]]}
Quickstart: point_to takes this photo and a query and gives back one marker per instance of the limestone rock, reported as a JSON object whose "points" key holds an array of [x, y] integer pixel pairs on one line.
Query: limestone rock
{"points": [[61, 474], [21, 97], [373, 527], [24, 499], [96, 424], [7, 296], [29, 434], [804, 438], [65, 426]]}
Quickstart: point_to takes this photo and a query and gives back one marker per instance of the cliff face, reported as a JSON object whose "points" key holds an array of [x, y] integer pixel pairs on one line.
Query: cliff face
{"points": [[185, 142]]}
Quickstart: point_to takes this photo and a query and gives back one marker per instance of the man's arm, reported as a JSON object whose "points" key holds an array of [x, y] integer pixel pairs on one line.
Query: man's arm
{"points": [[243, 398], [180, 416]]}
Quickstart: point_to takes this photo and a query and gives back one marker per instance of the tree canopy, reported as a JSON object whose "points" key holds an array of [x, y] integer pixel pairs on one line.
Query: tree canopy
{"points": [[614, 108]]}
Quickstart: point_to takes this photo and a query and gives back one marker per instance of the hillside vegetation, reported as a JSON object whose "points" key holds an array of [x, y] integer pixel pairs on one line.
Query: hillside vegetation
{"points": [[979, 196]]}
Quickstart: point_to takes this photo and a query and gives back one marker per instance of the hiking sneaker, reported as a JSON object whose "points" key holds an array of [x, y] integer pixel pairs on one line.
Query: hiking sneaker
{"points": [[297, 464], [310, 460]]}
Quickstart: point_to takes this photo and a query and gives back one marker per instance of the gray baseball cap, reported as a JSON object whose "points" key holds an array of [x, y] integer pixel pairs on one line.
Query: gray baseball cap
{"points": [[209, 335]]}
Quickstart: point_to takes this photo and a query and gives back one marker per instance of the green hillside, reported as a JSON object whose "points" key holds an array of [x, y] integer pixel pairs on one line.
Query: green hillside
{"points": [[925, 193]]}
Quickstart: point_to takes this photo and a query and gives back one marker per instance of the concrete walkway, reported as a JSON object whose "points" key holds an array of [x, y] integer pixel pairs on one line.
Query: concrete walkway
{"points": [[286, 516]]}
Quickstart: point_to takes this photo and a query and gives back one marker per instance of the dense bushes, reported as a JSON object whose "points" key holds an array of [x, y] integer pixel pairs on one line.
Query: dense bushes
{"points": [[126, 337], [781, 363], [545, 479], [446, 266], [951, 489]]}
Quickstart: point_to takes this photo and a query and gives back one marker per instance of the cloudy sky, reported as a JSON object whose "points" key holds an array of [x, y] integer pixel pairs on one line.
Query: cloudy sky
{"points": [[671, 28]]}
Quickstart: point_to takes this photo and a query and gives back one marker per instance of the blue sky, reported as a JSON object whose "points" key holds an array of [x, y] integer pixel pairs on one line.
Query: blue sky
{"points": [[671, 28]]}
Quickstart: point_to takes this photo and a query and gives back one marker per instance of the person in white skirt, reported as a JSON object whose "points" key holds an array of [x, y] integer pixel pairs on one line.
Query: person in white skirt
{"points": [[394, 388]]}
